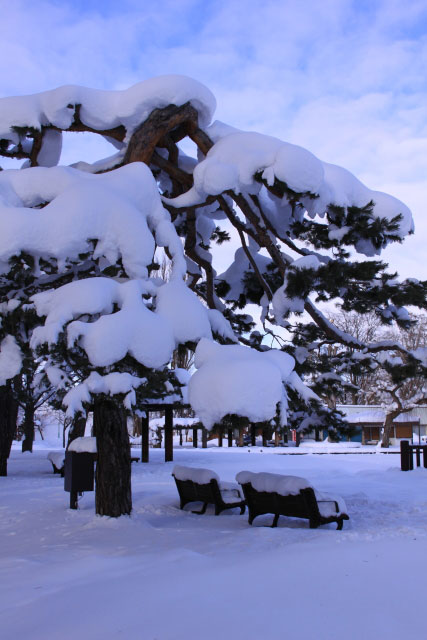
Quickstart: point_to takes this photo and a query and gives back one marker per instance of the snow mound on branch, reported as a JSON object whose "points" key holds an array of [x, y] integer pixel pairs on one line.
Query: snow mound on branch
{"points": [[10, 359], [149, 336], [233, 161], [236, 157], [103, 110], [120, 210], [112, 384], [233, 379], [233, 276], [184, 311]]}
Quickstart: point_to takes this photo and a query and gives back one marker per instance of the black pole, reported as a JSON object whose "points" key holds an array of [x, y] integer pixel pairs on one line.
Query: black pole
{"points": [[230, 437], [168, 434], [73, 500], [195, 438], [405, 455], [219, 436], [204, 438], [145, 451], [253, 435]]}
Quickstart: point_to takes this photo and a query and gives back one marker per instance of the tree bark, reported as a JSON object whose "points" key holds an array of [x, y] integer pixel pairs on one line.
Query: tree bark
{"points": [[113, 495], [8, 417], [28, 427], [77, 428], [388, 425]]}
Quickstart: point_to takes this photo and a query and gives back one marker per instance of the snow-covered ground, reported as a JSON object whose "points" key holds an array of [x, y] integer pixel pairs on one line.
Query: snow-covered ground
{"points": [[165, 574]]}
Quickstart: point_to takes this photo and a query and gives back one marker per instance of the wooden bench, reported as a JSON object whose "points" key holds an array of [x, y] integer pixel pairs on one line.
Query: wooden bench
{"points": [[289, 496], [203, 485]]}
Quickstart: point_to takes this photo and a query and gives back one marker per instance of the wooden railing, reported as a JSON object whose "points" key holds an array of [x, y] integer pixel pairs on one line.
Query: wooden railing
{"points": [[407, 451]]}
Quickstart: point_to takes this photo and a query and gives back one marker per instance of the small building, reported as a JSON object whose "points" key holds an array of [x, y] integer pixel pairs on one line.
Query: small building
{"points": [[368, 421]]}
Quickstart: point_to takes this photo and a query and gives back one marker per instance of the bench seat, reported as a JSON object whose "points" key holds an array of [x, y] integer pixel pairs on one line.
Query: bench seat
{"points": [[290, 496], [203, 485]]}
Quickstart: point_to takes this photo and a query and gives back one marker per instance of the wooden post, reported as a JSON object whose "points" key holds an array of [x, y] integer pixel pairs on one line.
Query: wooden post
{"points": [[405, 456], [418, 455], [276, 438], [241, 437], [168, 434], [425, 456], [219, 436], [74, 500], [145, 438], [195, 438], [253, 435], [297, 438], [204, 438], [230, 437], [264, 438]]}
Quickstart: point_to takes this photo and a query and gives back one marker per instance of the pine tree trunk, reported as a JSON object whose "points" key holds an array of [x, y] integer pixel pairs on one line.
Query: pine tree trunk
{"points": [[77, 428], [28, 427], [388, 424], [113, 473], [8, 417]]}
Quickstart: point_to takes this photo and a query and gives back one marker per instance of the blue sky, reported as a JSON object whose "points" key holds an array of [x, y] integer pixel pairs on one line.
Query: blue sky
{"points": [[346, 79]]}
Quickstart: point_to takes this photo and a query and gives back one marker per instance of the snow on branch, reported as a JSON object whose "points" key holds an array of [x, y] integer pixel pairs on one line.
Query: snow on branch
{"points": [[117, 210], [115, 114]]}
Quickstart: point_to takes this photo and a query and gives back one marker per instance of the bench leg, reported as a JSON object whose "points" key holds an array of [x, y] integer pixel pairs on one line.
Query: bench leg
{"points": [[242, 509], [200, 513], [275, 521], [313, 524], [340, 524]]}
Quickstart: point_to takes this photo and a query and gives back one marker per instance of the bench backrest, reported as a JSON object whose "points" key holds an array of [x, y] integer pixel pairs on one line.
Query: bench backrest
{"points": [[192, 491], [302, 505]]}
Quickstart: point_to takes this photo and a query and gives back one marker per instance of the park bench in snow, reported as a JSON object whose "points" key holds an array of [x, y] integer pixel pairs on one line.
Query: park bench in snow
{"points": [[289, 496], [203, 485], [57, 459]]}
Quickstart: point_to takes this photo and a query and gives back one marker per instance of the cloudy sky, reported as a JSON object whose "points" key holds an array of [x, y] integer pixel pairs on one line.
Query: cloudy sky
{"points": [[346, 79]]}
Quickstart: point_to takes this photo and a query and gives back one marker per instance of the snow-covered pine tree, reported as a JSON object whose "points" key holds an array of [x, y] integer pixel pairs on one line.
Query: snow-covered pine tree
{"points": [[296, 219]]}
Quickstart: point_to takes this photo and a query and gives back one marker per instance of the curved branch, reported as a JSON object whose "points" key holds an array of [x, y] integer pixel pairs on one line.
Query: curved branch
{"points": [[160, 122]]}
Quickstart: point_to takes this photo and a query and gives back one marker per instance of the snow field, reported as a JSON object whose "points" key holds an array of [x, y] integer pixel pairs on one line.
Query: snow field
{"points": [[167, 574]]}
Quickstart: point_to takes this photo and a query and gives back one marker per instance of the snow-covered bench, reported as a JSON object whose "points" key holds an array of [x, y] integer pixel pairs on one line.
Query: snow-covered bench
{"points": [[203, 485], [57, 459], [290, 496]]}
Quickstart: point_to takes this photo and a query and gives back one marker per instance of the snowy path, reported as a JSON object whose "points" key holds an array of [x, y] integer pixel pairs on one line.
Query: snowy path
{"points": [[168, 575]]}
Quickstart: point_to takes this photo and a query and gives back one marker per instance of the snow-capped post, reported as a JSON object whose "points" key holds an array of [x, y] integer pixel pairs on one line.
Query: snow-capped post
{"points": [[90, 235]]}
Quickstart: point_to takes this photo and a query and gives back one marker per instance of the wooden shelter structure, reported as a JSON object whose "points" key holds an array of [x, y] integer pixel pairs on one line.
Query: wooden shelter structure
{"points": [[169, 428]]}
